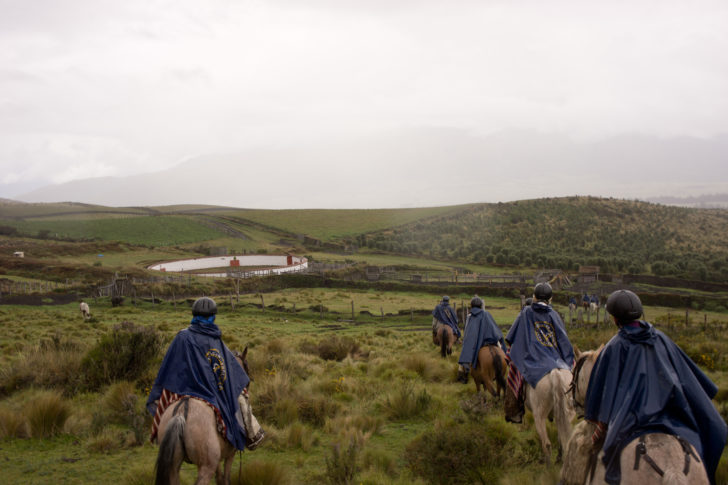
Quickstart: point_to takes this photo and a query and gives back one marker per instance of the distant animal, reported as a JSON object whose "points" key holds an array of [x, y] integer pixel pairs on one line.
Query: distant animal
{"points": [[444, 338], [188, 431], [85, 310], [593, 307], [676, 460], [117, 301], [491, 367], [549, 396]]}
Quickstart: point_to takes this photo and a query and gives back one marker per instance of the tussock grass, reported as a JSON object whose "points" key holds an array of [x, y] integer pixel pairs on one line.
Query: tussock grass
{"points": [[485, 451], [406, 402], [261, 473], [47, 413], [336, 348], [107, 441], [12, 424], [296, 436], [121, 405], [47, 365], [429, 367], [341, 464]]}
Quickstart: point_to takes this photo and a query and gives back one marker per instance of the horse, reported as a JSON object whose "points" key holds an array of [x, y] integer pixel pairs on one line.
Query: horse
{"points": [[549, 396], [188, 431], [654, 451], [491, 366], [444, 337], [85, 311]]}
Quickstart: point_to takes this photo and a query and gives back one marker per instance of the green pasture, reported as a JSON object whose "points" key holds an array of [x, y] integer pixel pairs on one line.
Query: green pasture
{"points": [[388, 397], [331, 224], [144, 230]]}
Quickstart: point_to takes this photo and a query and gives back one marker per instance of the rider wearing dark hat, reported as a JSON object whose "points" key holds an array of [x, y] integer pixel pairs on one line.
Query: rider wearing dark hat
{"points": [[480, 330], [200, 365], [444, 314], [644, 383], [539, 344]]}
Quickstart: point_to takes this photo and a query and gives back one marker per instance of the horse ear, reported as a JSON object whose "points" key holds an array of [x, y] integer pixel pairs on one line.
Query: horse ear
{"points": [[577, 352], [245, 353]]}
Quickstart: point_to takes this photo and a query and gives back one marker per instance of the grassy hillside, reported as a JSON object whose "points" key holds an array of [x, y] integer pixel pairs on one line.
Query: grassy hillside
{"points": [[617, 235]]}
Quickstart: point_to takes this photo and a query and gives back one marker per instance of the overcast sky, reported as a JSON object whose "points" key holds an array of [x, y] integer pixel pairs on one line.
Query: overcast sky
{"points": [[92, 88]]}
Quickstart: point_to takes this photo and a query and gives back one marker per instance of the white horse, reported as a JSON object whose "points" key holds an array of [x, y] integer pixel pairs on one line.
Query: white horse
{"points": [[548, 396], [85, 311], [593, 306], [670, 456]]}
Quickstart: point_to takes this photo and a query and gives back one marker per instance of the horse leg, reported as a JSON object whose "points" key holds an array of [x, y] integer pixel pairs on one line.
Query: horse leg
{"points": [[224, 478], [540, 402]]}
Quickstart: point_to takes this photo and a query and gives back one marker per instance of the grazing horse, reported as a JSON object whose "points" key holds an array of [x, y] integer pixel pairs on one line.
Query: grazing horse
{"points": [[444, 338], [188, 431], [549, 396], [85, 310], [491, 366], [652, 458]]}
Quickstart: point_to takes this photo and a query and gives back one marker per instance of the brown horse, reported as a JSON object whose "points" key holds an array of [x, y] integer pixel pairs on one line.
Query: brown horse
{"points": [[492, 366], [667, 452], [188, 431], [444, 338]]}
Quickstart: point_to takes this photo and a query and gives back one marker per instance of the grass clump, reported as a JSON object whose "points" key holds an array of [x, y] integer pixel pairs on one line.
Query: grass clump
{"points": [[406, 402], [121, 405], [47, 412], [460, 453], [336, 348], [12, 424], [262, 473]]}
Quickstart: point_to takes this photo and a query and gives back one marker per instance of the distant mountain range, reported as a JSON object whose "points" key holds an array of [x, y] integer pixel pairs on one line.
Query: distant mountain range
{"points": [[421, 168], [711, 201]]}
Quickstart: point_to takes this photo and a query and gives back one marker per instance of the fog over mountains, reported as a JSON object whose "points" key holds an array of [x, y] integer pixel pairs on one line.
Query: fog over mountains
{"points": [[423, 167]]}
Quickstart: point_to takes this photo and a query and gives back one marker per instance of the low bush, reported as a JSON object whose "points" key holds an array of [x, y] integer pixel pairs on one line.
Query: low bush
{"points": [[262, 473], [455, 453], [121, 405], [337, 348], [341, 464], [123, 354]]}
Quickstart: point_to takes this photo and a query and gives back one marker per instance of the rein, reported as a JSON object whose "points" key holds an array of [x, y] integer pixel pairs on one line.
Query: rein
{"points": [[574, 386]]}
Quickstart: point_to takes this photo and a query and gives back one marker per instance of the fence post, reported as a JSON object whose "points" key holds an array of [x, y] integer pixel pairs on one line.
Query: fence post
{"points": [[686, 317], [262, 302], [352, 309], [705, 322], [381, 310], [294, 308]]}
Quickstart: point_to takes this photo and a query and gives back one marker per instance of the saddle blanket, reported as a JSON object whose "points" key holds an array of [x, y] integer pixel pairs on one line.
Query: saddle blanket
{"points": [[167, 399]]}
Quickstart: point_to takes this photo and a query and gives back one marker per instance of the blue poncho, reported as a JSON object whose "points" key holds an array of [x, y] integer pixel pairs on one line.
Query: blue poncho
{"points": [[199, 364], [643, 383], [481, 330], [539, 343], [444, 313]]}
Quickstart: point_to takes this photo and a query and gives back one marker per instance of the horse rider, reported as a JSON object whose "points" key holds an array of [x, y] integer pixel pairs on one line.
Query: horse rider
{"points": [[643, 383], [538, 345], [444, 314], [199, 364], [480, 330]]}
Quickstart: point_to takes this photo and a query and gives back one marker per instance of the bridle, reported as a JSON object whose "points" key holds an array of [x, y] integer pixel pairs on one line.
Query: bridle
{"points": [[574, 386]]}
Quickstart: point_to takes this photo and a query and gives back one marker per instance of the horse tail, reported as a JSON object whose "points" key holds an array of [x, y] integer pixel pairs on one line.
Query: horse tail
{"points": [[444, 340], [168, 450], [498, 368]]}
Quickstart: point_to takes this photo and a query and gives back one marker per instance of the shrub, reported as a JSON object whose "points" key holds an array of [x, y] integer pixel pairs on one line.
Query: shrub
{"points": [[341, 464], [122, 406], [123, 354], [337, 348], [47, 413], [455, 453]]}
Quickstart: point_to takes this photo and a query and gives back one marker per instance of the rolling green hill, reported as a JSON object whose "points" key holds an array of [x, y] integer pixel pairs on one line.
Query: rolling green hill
{"points": [[617, 235]]}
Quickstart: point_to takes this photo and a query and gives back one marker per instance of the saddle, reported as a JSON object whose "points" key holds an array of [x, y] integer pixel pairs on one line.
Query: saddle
{"points": [[641, 453]]}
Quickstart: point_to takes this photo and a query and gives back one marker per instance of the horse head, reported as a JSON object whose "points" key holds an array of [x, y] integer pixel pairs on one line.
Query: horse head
{"points": [[242, 358], [580, 378]]}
